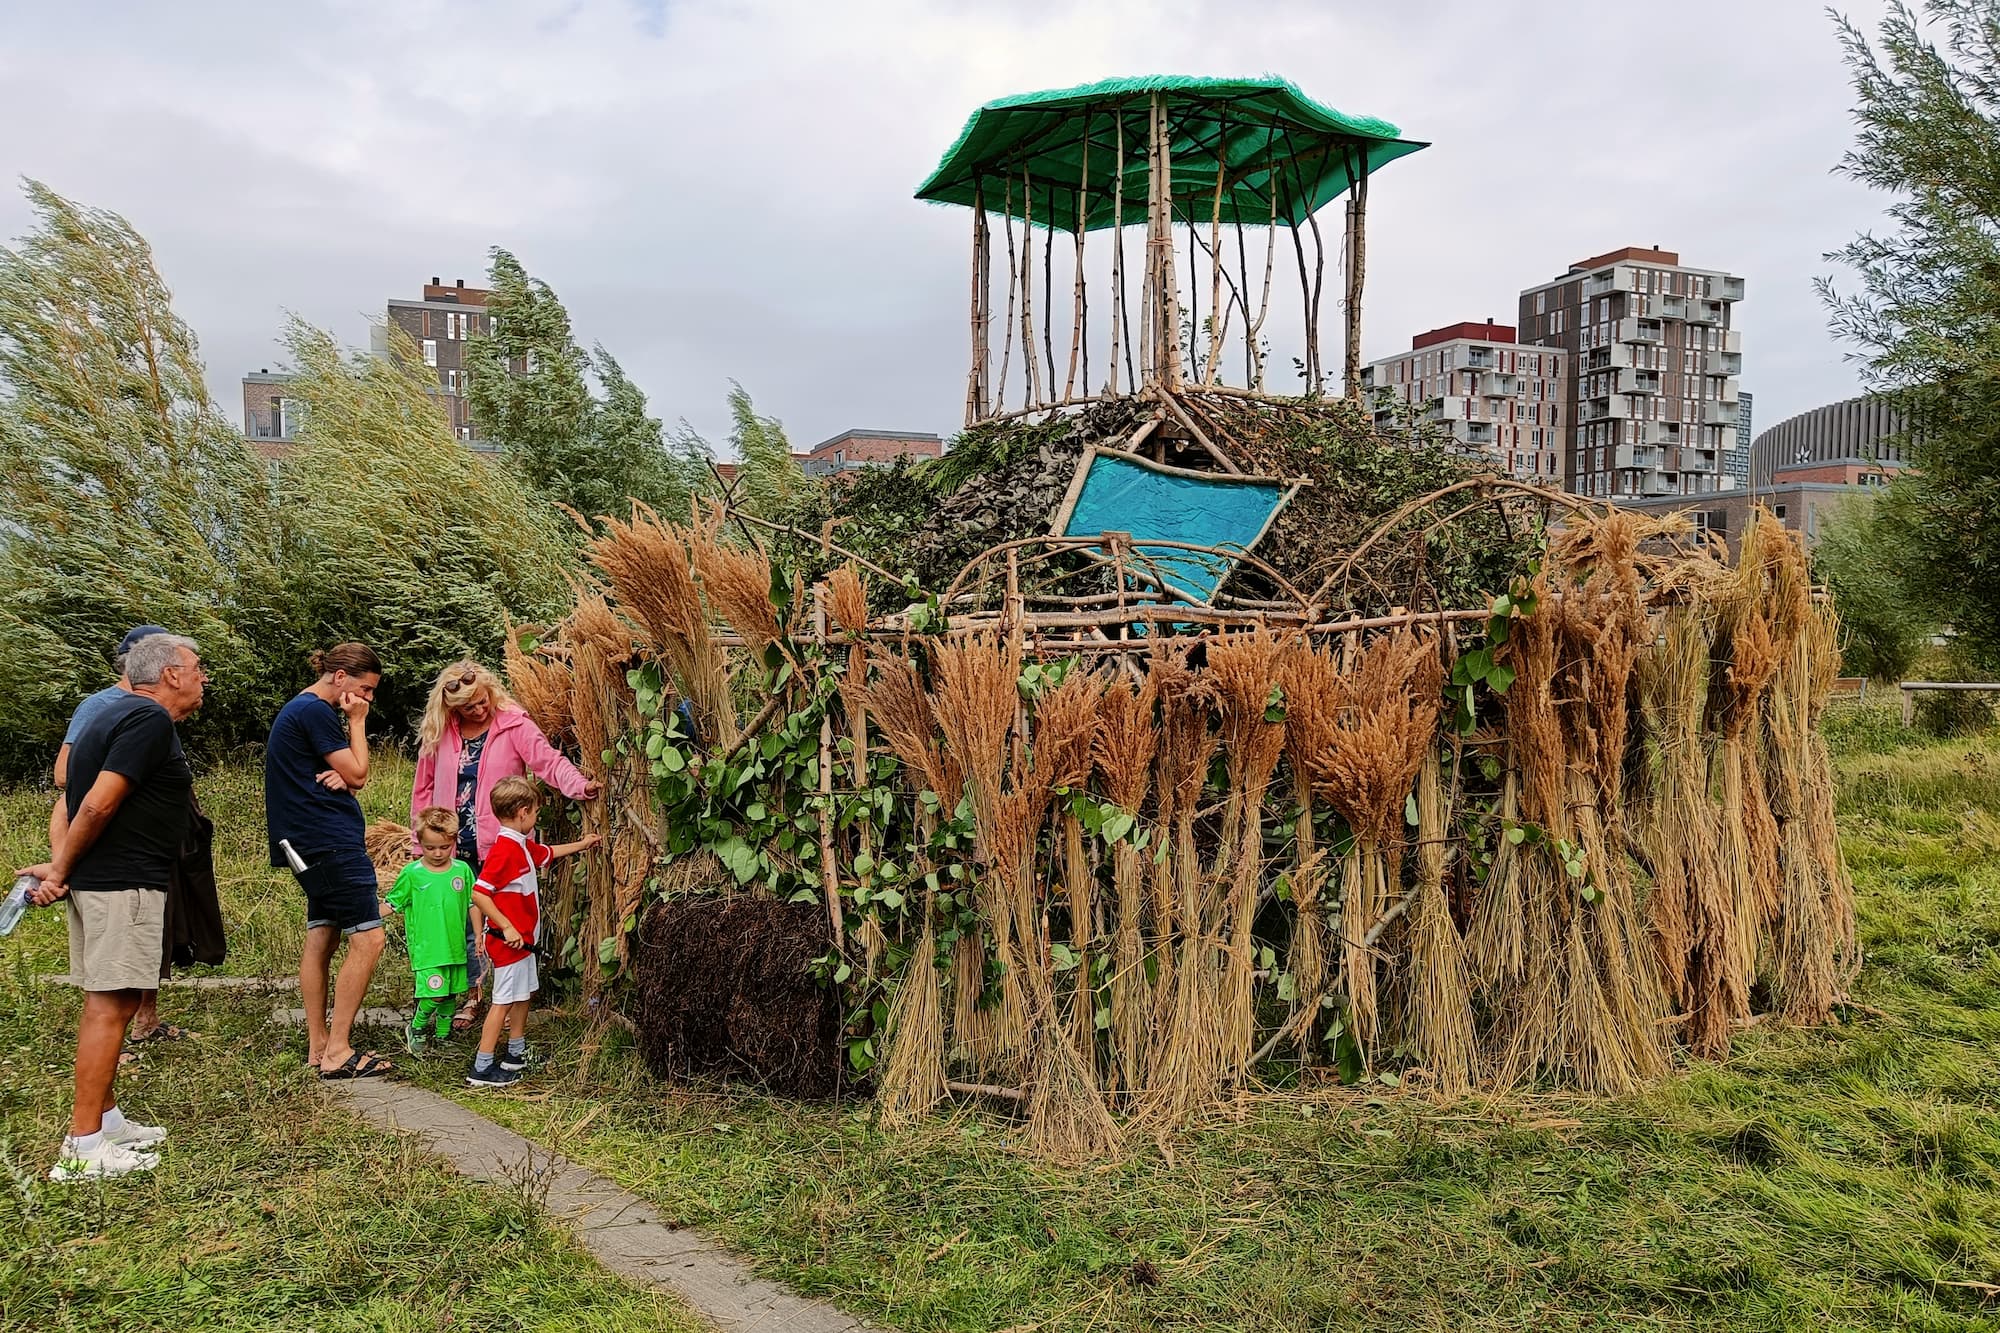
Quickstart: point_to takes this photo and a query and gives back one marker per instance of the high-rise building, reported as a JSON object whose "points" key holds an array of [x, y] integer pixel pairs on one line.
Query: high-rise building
{"points": [[439, 324], [1739, 460], [1493, 396], [1650, 406]]}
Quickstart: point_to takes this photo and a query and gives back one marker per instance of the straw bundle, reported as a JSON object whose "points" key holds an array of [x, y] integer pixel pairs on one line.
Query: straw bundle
{"points": [[1436, 1000], [388, 845], [650, 571], [911, 1080], [1692, 911], [736, 580], [1496, 935], [1384, 723], [847, 599], [1242, 678], [1311, 681], [1820, 639], [540, 683], [1123, 750], [1065, 723]]}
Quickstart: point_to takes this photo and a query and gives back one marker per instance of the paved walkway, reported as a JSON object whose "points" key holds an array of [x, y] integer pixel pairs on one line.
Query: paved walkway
{"points": [[620, 1231]]}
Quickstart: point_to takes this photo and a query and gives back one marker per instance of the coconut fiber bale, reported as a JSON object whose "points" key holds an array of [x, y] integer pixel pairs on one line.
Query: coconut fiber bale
{"points": [[724, 988]]}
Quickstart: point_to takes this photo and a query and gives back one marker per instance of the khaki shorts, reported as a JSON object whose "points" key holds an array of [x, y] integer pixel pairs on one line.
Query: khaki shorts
{"points": [[116, 938]]}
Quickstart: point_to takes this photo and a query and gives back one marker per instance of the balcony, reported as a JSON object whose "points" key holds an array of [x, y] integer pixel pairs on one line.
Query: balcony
{"points": [[1445, 409], [1669, 307], [1704, 461], [1481, 358], [1729, 289], [1638, 381], [1705, 311], [1480, 432], [1732, 340], [1640, 456], [1616, 279], [1496, 385], [1612, 357], [1724, 363], [1631, 330], [1718, 414], [1659, 483], [1727, 391], [1611, 408]]}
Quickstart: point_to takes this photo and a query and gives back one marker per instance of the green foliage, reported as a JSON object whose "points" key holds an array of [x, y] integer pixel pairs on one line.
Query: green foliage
{"points": [[127, 496], [396, 533], [1864, 550], [529, 391], [769, 481], [1927, 309]]}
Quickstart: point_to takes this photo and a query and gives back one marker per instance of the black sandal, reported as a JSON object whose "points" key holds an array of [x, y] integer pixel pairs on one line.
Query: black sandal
{"points": [[358, 1065]]}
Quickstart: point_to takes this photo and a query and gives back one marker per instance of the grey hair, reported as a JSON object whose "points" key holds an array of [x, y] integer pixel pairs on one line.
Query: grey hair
{"points": [[154, 654]]}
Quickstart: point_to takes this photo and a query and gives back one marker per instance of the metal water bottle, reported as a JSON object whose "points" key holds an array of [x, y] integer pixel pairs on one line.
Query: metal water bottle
{"points": [[16, 904]]}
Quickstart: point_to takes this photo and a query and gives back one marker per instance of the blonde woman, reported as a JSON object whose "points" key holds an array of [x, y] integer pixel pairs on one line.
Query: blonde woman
{"points": [[473, 736]]}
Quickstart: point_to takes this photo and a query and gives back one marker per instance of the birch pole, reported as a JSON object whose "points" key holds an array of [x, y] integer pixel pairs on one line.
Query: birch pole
{"points": [[1357, 263], [977, 386]]}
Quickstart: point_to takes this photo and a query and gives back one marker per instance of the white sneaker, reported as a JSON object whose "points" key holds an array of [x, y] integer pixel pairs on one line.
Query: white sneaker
{"points": [[104, 1162], [136, 1135]]}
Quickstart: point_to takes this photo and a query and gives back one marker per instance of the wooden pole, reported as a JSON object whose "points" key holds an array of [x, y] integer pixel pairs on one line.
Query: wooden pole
{"points": [[1029, 361], [1007, 324], [1117, 251], [1169, 288], [1049, 285], [829, 877], [976, 388], [1357, 264], [1217, 318], [1076, 330]]}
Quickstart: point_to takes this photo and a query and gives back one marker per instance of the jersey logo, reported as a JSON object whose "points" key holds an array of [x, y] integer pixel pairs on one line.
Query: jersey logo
{"points": [[437, 981], [458, 881]]}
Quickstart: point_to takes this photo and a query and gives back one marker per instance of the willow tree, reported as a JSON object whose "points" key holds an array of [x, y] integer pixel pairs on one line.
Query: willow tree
{"points": [[769, 480], [530, 392], [396, 533], [128, 496]]}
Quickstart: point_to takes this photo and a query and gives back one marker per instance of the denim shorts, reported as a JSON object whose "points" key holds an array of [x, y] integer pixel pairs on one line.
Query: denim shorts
{"points": [[340, 891]]}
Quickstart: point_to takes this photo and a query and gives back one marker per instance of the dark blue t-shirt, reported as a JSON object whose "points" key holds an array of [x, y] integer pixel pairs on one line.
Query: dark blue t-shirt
{"points": [[296, 807], [133, 737]]}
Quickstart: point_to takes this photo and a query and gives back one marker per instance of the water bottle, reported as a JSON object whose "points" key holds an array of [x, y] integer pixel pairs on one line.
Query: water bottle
{"points": [[16, 904]]}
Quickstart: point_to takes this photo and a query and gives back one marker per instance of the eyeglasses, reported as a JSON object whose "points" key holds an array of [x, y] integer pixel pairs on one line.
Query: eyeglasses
{"points": [[469, 676], [200, 672]]}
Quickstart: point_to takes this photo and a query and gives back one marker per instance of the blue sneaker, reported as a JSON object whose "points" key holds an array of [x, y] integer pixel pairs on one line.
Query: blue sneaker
{"points": [[493, 1076]]}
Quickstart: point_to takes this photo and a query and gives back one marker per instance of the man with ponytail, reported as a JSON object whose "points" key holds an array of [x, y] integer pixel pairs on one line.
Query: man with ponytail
{"points": [[314, 763]]}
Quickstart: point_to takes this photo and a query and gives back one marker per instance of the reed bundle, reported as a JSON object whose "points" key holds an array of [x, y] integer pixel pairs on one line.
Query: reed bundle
{"points": [[736, 580], [652, 575], [540, 682], [1820, 640], [1385, 721], [1123, 750], [1436, 991], [1311, 680]]}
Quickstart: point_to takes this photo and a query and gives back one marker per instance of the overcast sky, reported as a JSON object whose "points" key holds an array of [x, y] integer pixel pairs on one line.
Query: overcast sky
{"points": [[722, 189]]}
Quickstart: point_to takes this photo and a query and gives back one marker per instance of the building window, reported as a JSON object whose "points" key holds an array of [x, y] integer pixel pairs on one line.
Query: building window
{"points": [[430, 352], [451, 381], [1778, 512], [465, 432]]}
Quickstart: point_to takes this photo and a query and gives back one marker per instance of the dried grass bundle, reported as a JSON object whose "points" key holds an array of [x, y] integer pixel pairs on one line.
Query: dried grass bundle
{"points": [[1066, 721], [1436, 1000], [1385, 720], [1313, 692], [902, 712], [847, 599], [736, 580], [540, 683], [1123, 749], [912, 1078], [388, 845], [1243, 680], [652, 575], [1820, 640]]}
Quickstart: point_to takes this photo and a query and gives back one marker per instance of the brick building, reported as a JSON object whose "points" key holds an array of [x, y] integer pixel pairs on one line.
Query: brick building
{"points": [[1494, 397], [1650, 408], [270, 419], [852, 450], [439, 325]]}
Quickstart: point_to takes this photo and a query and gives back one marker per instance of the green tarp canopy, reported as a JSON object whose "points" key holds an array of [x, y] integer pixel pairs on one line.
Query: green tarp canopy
{"points": [[1263, 135]]}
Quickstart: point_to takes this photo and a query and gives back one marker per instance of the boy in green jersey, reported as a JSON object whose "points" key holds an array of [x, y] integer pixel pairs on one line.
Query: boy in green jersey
{"points": [[434, 894]]}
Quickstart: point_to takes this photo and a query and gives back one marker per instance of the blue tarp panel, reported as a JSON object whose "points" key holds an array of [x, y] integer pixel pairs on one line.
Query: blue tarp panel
{"points": [[1122, 495]]}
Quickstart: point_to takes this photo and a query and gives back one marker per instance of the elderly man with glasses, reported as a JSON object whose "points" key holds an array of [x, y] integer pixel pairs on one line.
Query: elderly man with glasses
{"points": [[127, 805]]}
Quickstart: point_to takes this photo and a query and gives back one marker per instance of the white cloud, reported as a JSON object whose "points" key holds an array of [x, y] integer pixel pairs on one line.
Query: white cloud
{"points": [[723, 189]]}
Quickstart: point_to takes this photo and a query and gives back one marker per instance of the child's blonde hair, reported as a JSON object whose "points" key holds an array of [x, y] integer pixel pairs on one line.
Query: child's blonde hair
{"points": [[513, 795], [436, 819]]}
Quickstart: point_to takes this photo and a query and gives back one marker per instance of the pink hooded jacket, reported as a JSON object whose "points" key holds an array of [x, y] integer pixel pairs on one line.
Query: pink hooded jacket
{"points": [[514, 745]]}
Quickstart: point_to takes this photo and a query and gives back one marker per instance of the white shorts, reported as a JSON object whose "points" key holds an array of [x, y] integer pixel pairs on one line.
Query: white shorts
{"points": [[515, 981]]}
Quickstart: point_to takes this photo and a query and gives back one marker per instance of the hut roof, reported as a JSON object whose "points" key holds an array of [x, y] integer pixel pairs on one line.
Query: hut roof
{"points": [[1262, 135]]}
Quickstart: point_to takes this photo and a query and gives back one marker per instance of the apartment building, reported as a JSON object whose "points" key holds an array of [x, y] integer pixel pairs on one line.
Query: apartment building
{"points": [[1650, 407], [270, 417], [1494, 396], [439, 325]]}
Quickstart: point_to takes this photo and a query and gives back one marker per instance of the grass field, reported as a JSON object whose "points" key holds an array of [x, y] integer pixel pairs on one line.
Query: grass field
{"points": [[1845, 1177]]}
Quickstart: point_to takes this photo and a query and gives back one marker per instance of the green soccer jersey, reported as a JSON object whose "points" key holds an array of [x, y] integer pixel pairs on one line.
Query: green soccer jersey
{"points": [[435, 905]]}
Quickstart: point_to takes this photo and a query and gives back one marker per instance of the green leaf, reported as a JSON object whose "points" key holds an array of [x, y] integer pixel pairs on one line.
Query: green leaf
{"points": [[863, 863], [1499, 678], [1517, 835], [1064, 957], [1410, 809]]}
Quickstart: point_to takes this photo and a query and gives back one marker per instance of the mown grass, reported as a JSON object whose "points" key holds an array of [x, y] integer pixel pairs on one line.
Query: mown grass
{"points": [[272, 1208], [1843, 1177]]}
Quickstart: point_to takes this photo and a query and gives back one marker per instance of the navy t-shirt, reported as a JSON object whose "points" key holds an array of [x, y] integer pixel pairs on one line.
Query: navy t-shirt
{"points": [[133, 737], [296, 807]]}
